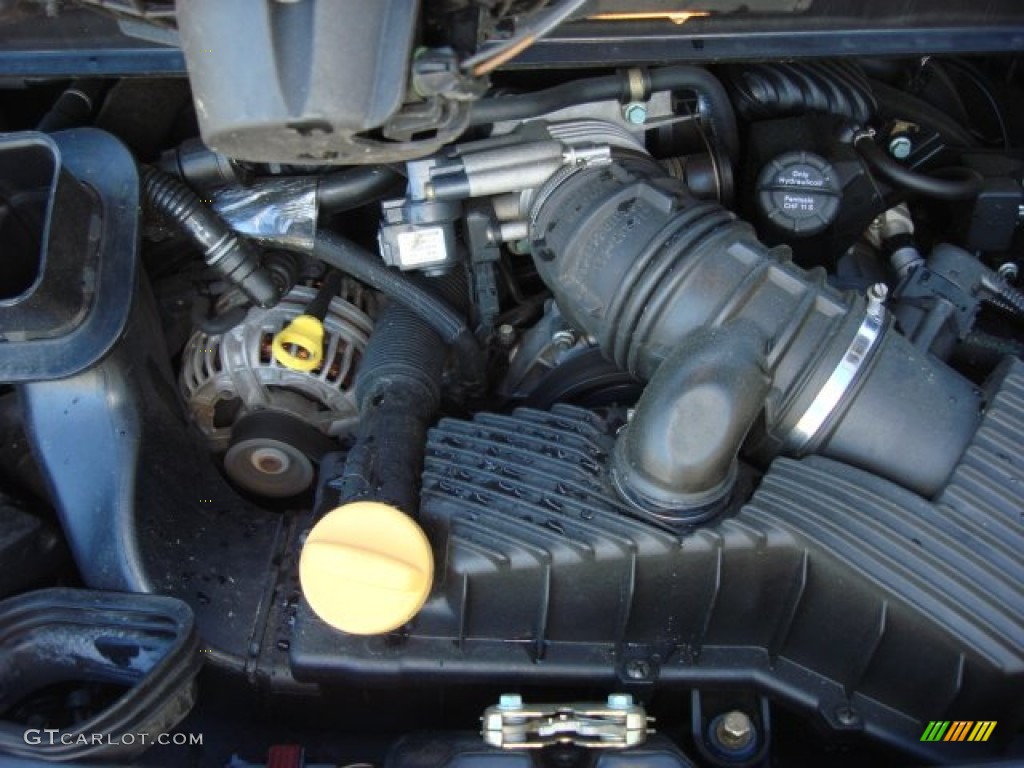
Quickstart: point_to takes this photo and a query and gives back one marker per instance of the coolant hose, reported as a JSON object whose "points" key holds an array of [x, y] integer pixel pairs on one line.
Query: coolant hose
{"points": [[741, 347], [348, 257], [957, 184], [229, 255], [354, 187], [680, 77]]}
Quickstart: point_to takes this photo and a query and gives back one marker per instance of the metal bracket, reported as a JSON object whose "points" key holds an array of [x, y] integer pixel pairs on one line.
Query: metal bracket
{"points": [[617, 724]]}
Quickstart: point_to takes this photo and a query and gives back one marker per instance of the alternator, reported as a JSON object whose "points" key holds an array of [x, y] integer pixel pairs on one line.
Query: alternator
{"points": [[264, 415]]}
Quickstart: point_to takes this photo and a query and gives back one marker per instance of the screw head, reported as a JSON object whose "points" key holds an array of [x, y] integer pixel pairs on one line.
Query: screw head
{"points": [[637, 669], [735, 730], [900, 147], [510, 701], [506, 335], [847, 716], [876, 295], [1009, 271], [563, 340], [635, 113], [619, 701]]}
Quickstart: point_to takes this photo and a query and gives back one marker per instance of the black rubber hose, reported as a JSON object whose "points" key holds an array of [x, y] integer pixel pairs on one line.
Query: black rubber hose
{"points": [[344, 255], [772, 90], [75, 106], [681, 77], [321, 303], [399, 392], [896, 104], [354, 187], [981, 341], [673, 268], [230, 256], [403, 348], [681, 475], [958, 184]]}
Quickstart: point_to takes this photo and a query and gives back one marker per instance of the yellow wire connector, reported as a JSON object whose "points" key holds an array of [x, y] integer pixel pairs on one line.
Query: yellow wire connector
{"points": [[300, 344]]}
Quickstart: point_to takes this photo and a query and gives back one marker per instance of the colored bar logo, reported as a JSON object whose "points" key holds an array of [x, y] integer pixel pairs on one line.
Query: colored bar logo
{"points": [[958, 730]]}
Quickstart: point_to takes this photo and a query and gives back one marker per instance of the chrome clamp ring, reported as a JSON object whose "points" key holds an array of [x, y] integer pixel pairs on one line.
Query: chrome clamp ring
{"points": [[845, 374]]}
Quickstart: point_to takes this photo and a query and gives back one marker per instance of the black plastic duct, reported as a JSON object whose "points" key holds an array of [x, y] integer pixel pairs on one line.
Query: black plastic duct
{"points": [[735, 340], [769, 90], [146, 644]]}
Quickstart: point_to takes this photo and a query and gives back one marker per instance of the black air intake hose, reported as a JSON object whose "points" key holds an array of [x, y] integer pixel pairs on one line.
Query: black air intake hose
{"points": [[766, 91], [399, 391], [352, 259], [226, 253], [682, 293]]}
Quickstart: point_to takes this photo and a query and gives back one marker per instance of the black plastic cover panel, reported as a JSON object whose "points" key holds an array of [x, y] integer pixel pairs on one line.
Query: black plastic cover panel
{"points": [[68, 228], [832, 589]]}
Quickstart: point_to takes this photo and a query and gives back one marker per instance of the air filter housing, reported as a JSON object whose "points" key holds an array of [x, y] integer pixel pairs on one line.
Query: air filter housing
{"points": [[831, 589]]}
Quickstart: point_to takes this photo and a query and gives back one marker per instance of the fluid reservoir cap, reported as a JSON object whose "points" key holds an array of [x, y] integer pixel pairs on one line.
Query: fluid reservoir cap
{"points": [[366, 568], [300, 345], [799, 192]]}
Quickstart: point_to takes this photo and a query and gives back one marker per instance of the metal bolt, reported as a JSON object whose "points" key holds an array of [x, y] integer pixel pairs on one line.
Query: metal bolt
{"points": [[506, 335], [638, 669], [510, 701], [900, 147], [735, 730], [847, 715], [563, 339], [635, 113], [877, 294], [619, 701], [1009, 271]]}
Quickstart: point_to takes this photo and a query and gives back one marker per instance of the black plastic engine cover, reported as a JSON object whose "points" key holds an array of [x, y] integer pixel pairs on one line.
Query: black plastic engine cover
{"points": [[832, 589]]}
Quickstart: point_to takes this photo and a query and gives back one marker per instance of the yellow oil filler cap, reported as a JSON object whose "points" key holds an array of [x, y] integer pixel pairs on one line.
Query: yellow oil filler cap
{"points": [[366, 568], [306, 335]]}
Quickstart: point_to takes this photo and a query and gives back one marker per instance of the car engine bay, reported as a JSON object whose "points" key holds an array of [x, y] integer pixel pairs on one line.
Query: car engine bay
{"points": [[511, 382]]}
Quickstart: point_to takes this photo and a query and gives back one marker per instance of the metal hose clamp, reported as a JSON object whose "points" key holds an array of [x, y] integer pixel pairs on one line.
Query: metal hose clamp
{"points": [[639, 84], [845, 374]]}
